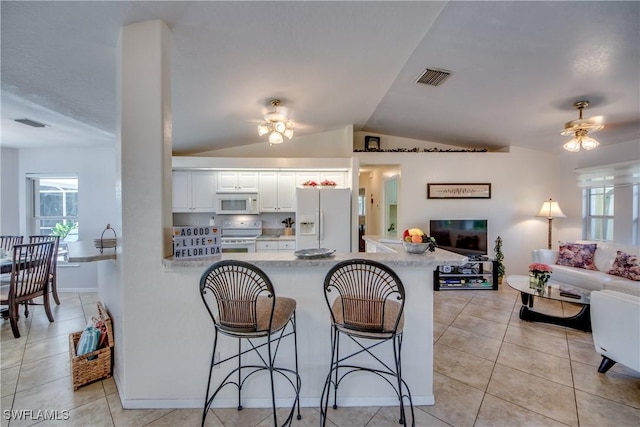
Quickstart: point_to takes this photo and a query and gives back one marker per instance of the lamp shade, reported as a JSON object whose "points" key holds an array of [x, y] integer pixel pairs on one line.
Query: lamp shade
{"points": [[551, 209]]}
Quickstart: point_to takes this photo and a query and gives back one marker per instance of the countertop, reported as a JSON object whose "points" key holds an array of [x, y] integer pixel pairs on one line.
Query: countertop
{"points": [[85, 251], [275, 237], [395, 257]]}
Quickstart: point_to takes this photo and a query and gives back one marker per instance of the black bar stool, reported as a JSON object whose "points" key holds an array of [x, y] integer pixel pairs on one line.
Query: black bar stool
{"points": [[242, 303], [366, 301]]}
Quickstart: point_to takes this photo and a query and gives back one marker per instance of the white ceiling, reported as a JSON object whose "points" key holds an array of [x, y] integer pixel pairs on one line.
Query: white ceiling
{"points": [[518, 68]]}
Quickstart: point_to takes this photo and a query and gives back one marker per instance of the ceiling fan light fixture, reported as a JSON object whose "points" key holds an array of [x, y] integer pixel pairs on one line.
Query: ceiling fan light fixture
{"points": [[280, 127], [588, 143], [276, 124], [262, 130], [288, 133], [580, 129], [275, 138], [573, 145]]}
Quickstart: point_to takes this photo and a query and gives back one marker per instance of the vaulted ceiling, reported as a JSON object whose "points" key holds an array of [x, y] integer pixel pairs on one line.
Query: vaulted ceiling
{"points": [[517, 68]]}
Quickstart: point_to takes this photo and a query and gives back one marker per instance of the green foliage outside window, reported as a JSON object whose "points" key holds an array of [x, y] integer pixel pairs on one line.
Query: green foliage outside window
{"points": [[63, 229]]}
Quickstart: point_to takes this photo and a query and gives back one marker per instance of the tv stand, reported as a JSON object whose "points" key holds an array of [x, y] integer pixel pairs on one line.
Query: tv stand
{"points": [[472, 275]]}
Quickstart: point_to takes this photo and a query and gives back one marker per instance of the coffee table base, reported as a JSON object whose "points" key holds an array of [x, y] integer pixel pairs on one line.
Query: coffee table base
{"points": [[580, 321]]}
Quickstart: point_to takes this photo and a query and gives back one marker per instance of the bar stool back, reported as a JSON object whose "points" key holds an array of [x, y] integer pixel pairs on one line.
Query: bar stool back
{"points": [[242, 304], [366, 301]]}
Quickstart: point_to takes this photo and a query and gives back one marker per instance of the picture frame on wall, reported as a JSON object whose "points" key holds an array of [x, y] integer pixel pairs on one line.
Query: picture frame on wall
{"points": [[459, 191], [371, 143]]}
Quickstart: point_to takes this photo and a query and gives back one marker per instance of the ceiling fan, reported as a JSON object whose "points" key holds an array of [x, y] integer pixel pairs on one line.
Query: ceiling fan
{"points": [[580, 129]]}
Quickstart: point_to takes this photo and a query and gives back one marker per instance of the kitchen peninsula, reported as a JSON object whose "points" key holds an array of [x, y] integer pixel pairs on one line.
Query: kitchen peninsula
{"points": [[302, 279]]}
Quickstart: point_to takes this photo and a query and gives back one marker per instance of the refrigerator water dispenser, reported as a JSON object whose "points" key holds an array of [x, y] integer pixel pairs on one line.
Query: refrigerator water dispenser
{"points": [[307, 224]]}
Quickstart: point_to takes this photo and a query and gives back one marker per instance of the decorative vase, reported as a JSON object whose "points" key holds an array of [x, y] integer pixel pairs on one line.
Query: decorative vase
{"points": [[288, 231], [537, 282]]}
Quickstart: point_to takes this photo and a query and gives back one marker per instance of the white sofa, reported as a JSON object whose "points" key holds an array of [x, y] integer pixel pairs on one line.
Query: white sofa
{"points": [[591, 280], [615, 321]]}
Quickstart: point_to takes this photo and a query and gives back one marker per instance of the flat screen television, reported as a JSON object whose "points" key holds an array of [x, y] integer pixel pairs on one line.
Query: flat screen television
{"points": [[466, 237]]}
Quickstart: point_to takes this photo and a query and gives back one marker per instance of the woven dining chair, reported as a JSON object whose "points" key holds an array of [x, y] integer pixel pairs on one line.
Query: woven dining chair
{"points": [[366, 301], [242, 303], [29, 279], [53, 274]]}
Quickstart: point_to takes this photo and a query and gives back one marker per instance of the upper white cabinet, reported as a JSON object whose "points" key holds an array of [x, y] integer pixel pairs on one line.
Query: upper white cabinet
{"points": [[277, 191], [338, 177], [194, 191], [237, 181], [318, 176], [302, 177]]}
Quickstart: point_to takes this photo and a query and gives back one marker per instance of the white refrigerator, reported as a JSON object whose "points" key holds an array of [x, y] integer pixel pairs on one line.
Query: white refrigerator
{"points": [[323, 218]]}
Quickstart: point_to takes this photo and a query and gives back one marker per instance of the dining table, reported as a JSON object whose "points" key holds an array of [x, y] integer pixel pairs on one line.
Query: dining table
{"points": [[6, 264]]}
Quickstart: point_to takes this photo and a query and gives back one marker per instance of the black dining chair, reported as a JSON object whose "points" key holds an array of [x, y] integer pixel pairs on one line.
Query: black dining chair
{"points": [[7, 242], [53, 274], [366, 301], [243, 305], [29, 279]]}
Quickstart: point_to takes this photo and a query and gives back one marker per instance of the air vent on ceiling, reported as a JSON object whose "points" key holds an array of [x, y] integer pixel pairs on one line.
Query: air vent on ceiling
{"points": [[434, 77], [31, 123]]}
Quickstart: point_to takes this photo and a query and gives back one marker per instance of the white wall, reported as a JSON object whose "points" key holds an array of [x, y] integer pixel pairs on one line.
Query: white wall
{"points": [[9, 215], [95, 168], [518, 189], [335, 143]]}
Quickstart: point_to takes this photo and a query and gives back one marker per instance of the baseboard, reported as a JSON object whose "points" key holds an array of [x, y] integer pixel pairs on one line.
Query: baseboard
{"points": [[80, 290], [306, 402]]}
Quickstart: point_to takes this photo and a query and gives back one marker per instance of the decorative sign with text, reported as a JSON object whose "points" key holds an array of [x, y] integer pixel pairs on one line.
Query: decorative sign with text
{"points": [[196, 242]]}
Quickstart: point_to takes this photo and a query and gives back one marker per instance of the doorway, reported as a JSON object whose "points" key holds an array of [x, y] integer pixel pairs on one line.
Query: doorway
{"points": [[391, 205], [378, 199]]}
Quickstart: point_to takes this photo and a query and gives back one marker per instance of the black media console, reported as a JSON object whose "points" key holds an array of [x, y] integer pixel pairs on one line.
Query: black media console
{"points": [[473, 275]]}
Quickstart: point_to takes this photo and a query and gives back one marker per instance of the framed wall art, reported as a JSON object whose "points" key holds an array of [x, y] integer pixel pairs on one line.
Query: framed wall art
{"points": [[458, 191], [371, 143]]}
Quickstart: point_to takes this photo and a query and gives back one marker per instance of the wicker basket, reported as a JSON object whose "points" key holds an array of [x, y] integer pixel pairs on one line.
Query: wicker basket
{"points": [[92, 366]]}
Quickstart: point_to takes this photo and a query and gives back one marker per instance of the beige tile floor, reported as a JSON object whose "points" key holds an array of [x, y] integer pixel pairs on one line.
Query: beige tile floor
{"points": [[491, 369]]}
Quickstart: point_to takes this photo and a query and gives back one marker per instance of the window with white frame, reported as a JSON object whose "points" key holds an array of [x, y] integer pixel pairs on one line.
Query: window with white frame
{"points": [[611, 207], [600, 213], [54, 207]]}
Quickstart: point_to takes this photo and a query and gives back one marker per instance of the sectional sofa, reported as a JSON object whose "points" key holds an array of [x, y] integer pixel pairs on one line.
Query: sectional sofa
{"points": [[593, 274], [615, 298]]}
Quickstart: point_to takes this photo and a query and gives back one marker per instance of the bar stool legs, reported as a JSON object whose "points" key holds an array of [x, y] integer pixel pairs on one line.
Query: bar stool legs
{"points": [[268, 364], [392, 375]]}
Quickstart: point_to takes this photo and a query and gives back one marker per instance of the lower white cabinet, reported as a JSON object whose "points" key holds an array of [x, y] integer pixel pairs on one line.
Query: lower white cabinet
{"points": [[275, 246]]}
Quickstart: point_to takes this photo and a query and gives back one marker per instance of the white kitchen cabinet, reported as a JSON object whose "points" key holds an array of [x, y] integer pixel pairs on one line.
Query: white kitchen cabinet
{"points": [[304, 176], [339, 177], [194, 191], [277, 191], [286, 245], [237, 181], [275, 246]]}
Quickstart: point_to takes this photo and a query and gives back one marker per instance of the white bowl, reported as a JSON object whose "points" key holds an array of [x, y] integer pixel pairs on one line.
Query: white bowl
{"points": [[415, 248]]}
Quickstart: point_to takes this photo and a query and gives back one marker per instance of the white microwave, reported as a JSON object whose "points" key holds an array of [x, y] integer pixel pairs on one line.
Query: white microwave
{"points": [[237, 203]]}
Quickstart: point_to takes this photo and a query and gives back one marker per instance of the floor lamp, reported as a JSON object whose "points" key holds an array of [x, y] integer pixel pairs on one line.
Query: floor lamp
{"points": [[550, 210]]}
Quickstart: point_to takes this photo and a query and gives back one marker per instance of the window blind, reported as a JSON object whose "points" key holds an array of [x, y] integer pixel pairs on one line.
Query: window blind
{"points": [[617, 175]]}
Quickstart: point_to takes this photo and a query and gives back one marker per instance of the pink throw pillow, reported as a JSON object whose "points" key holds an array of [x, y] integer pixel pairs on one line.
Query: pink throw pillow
{"points": [[579, 255], [626, 265]]}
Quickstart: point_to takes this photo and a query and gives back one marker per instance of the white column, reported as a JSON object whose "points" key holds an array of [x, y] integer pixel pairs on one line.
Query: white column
{"points": [[143, 194]]}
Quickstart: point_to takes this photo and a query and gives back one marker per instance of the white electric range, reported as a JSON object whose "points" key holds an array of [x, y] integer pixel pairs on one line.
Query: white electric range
{"points": [[240, 236]]}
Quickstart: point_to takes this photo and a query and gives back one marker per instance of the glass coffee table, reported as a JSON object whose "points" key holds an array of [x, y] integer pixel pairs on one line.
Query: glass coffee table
{"points": [[556, 291]]}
